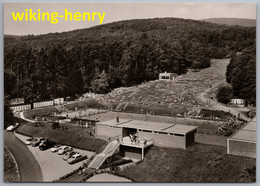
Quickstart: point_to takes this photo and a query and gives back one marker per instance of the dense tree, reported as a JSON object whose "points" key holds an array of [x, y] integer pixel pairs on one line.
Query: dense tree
{"points": [[224, 94], [100, 84], [241, 74], [8, 115], [117, 54]]}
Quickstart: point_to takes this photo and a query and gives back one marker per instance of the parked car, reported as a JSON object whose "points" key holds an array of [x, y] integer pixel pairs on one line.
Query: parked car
{"points": [[64, 149], [46, 144], [37, 142], [74, 158], [12, 127], [15, 111], [30, 140], [55, 148], [69, 155]]}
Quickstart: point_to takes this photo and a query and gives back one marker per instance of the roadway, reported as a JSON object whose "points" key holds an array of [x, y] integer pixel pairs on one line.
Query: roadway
{"points": [[28, 167]]}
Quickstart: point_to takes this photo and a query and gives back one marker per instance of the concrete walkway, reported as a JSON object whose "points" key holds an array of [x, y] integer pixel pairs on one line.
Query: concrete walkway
{"points": [[29, 169], [105, 177], [215, 105], [29, 120]]}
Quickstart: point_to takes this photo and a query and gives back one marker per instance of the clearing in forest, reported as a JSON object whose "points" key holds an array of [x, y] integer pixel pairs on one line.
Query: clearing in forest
{"points": [[182, 94]]}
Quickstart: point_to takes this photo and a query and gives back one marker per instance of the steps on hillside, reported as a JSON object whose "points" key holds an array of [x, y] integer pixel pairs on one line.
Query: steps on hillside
{"points": [[122, 106], [107, 152], [118, 106], [95, 163], [127, 103]]}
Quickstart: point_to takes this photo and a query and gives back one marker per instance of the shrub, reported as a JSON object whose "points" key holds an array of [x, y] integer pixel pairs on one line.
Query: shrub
{"points": [[224, 94], [55, 125]]}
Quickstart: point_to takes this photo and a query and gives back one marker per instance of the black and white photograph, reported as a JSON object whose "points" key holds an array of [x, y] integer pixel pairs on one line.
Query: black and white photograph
{"points": [[129, 92]]}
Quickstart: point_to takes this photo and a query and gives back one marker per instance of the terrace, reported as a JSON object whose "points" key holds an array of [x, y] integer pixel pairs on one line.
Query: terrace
{"points": [[142, 144]]}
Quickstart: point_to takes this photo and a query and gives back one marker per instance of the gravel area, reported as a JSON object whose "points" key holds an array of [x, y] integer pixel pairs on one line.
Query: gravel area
{"points": [[53, 166]]}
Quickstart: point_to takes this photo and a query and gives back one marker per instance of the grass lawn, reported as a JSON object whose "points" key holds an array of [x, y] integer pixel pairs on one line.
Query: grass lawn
{"points": [[10, 169], [89, 103], [74, 136], [45, 111], [198, 163]]}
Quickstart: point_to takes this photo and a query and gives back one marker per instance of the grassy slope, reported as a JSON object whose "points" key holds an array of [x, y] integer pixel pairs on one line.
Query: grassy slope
{"points": [[45, 111], [10, 169], [199, 163], [176, 96], [89, 103], [74, 136]]}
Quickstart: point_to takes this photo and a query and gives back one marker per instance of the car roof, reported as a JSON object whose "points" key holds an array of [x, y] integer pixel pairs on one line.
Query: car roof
{"points": [[76, 155]]}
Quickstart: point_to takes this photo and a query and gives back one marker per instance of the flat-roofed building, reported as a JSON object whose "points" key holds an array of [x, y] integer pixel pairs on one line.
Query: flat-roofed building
{"points": [[148, 133], [243, 142]]}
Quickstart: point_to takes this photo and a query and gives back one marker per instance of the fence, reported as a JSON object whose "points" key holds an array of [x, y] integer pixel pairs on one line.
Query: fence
{"points": [[23, 107], [43, 104], [18, 108]]}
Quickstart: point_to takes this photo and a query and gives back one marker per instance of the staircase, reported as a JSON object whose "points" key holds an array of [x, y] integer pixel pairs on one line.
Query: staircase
{"points": [[126, 104], [118, 106], [107, 152], [122, 106]]}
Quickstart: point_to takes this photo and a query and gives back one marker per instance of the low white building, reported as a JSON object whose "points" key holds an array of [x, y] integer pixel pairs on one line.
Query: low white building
{"points": [[167, 76], [237, 101], [58, 101]]}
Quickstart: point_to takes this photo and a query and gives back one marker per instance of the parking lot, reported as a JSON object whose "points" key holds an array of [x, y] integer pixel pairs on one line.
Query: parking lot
{"points": [[53, 166]]}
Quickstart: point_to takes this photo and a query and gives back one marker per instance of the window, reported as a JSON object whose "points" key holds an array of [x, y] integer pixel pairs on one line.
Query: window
{"points": [[147, 131], [179, 135]]}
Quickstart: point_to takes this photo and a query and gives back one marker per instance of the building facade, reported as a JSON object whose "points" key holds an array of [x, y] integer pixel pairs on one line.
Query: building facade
{"points": [[243, 142], [162, 134]]}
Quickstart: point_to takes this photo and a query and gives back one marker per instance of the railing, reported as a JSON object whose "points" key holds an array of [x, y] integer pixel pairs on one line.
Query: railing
{"points": [[107, 155], [142, 142], [104, 155]]}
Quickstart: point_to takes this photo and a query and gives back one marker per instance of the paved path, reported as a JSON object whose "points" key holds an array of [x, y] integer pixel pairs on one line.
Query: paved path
{"points": [[214, 104], [105, 177], [218, 106], [29, 120], [29, 168]]}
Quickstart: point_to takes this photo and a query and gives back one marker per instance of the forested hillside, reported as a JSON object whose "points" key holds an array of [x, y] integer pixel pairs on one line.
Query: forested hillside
{"points": [[118, 54], [233, 21], [241, 74]]}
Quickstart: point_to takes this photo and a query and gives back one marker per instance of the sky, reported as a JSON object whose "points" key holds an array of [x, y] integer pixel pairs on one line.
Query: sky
{"points": [[118, 11]]}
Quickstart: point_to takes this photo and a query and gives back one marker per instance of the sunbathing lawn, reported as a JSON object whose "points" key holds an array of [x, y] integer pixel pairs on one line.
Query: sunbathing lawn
{"points": [[176, 96], [10, 170], [198, 163], [74, 136]]}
